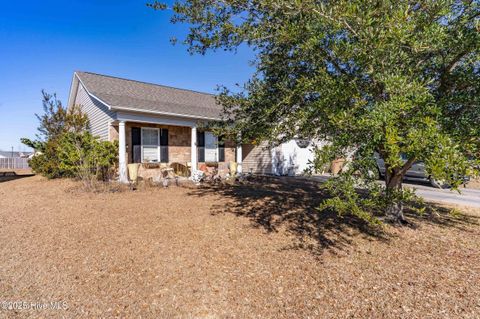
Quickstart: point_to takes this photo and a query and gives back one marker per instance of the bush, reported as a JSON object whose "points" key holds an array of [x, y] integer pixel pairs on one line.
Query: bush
{"points": [[78, 155], [83, 156], [67, 149], [46, 163]]}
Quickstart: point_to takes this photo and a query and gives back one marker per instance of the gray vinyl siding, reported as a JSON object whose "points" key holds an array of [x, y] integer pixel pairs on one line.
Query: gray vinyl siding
{"points": [[256, 159], [98, 113]]}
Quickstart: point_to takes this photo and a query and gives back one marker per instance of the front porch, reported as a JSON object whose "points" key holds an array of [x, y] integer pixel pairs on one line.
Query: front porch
{"points": [[159, 142]]}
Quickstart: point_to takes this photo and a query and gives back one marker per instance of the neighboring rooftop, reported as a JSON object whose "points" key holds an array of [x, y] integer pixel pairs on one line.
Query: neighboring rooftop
{"points": [[141, 96]]}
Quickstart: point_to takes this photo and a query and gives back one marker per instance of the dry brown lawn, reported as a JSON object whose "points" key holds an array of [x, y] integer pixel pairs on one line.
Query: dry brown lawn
{"points": [[256, 250]]}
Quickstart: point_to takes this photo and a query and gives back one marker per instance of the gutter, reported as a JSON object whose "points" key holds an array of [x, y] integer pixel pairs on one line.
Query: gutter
{"points": [[124, 108]]}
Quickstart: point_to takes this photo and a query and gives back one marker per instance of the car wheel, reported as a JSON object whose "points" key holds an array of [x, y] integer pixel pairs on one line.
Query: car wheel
{"points": [[438, 183]]}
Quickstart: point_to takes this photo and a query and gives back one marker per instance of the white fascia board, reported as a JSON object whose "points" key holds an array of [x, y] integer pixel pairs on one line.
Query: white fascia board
{"points": [[130, 109], [135, 117]]}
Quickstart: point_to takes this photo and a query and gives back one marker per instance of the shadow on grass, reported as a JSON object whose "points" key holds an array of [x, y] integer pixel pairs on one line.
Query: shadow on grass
{"points": [[276, 203], [287, 203], [440, 216], [10, 176]]}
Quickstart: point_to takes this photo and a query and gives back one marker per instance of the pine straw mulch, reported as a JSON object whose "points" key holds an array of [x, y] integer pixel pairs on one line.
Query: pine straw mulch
{"points": [[251, 250]]}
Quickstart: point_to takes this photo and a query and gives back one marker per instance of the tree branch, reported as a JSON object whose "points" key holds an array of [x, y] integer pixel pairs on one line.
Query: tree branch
{"points": [[450, 67], [406, 166], [334, 20]]}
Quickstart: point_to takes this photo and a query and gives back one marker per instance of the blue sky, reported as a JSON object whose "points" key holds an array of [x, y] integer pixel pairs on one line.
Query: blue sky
{"points": [[44, 42]]}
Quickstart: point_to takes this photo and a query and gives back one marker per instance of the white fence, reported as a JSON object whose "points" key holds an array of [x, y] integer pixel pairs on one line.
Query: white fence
{"points": [[14, 163]]}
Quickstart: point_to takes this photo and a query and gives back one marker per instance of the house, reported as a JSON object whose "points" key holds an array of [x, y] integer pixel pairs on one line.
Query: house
{"points": [[152, 123], [161, 124]]}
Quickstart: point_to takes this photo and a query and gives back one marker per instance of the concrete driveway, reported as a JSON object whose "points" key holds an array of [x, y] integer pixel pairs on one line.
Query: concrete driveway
{"points": [[466, 197]]}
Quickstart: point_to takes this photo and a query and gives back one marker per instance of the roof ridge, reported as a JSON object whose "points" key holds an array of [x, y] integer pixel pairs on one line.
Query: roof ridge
{"points": [[148, 83]]}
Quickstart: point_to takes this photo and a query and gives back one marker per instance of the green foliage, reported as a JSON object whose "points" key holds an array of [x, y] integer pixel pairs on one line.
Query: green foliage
{"points": [[36, 145], [392, 77], [66, 148], [346, 200], [370, 204], [77, 155], [84, 156], [55, 121], [46, 162]]}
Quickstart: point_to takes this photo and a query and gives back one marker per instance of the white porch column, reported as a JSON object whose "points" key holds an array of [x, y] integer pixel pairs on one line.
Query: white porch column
{"points": [[239, 157], [122, 162], [194, 159]]}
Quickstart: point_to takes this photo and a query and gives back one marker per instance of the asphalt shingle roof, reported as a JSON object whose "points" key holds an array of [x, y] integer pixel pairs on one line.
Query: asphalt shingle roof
{"points": [[141, 96]]}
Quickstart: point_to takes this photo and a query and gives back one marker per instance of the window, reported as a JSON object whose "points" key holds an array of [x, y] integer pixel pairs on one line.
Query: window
{"points": [[150, 145], [211, 143], [153, 146], [209, 148]]}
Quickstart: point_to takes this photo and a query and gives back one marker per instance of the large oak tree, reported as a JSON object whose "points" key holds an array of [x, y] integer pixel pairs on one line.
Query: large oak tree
{"points": [[399, 78]]}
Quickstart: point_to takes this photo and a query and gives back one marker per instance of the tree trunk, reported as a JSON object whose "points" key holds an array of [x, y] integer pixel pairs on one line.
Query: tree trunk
{"points": [[393, 183]]}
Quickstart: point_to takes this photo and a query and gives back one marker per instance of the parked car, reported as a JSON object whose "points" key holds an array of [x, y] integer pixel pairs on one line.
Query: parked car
{"points": [[416, 173]]}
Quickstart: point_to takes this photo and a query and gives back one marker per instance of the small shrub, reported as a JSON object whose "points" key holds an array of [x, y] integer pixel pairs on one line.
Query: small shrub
{"points": [[46, 163], [83, 156], [67, 149]]}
